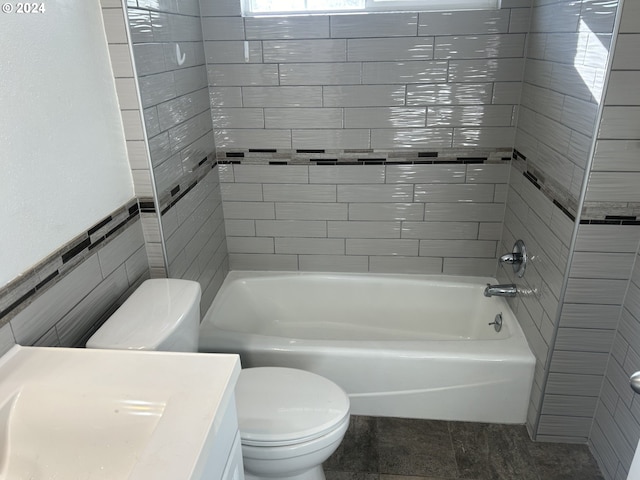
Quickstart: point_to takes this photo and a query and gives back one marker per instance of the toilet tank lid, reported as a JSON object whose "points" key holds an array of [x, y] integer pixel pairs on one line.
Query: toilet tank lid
{"points": [[150, 315]]}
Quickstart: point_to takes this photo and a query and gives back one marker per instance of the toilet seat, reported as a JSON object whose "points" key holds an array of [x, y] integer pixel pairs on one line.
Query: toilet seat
{"points": [[285, 406]]}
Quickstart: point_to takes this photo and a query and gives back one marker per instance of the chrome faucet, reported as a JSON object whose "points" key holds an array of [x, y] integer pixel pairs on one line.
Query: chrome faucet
{"points": [[506, 290]]}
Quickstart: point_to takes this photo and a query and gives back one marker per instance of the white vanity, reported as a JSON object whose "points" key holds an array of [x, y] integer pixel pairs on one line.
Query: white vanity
{"points": [[118, 414]]}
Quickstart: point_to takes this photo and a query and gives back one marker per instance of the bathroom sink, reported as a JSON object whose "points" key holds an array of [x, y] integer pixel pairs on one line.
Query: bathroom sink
{"points": [[110, 414]]}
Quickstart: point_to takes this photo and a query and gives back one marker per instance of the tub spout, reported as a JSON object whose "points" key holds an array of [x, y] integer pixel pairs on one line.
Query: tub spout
{"points": [[507, 290]]}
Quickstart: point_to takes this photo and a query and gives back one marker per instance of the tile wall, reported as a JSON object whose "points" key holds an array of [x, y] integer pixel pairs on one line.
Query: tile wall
{"points": [[166, 39], [402, 218], [65, 298], [344, 100], [564, 78], [376, 81], [121, 55], [613, 181]]}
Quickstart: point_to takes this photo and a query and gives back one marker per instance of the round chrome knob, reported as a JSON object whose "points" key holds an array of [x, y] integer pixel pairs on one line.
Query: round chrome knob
{"points": [[634, 381]]}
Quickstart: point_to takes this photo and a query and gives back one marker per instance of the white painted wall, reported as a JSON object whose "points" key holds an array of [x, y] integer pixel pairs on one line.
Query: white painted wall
{"points": [[63, 160]]}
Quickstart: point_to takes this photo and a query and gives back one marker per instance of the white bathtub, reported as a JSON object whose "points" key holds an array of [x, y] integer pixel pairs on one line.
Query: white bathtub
{"points": [[416, 346]]}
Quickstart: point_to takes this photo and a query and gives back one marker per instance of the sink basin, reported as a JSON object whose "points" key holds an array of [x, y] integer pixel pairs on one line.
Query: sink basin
{"points": [[109, 414]]}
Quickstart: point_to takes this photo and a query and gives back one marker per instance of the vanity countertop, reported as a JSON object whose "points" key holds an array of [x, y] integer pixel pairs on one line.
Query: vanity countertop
{"points": [[66, 413]]}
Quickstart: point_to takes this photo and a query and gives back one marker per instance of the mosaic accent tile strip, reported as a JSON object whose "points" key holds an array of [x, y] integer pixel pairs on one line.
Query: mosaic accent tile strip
{"points": [[15, 296], [361, 156]]}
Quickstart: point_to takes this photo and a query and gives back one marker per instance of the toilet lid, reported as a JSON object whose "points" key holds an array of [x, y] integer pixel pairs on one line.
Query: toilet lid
{"points": [[283, 406]]}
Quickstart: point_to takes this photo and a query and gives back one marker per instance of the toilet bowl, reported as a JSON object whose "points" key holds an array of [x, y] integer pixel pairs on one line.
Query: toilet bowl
{"points": [[290, 420]]}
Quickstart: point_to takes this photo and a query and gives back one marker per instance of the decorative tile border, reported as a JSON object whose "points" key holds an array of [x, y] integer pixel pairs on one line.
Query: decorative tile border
{"points": [[16, 295], [593, 213], [186, 183], [361, 157]]}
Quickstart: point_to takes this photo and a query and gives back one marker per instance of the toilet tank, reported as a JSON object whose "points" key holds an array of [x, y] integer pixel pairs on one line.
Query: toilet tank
{"points": [[162, 314]]}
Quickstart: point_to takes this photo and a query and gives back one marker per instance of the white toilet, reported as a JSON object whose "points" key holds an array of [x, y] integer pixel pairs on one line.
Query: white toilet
{"points": [[290, 420]]}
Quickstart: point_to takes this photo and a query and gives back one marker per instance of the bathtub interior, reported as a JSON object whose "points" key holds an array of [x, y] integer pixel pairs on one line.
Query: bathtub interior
{"points": [[357, 307]]}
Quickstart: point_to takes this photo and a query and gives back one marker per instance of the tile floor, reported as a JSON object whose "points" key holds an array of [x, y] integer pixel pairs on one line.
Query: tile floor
{"points": [[378, 448]]}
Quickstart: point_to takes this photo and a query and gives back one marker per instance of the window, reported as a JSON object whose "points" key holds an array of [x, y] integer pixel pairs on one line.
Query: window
{"points": [[292, 7]]}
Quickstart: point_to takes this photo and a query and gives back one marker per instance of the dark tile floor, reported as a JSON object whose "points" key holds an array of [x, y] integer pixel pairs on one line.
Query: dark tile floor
{"points": [[379, 448]]}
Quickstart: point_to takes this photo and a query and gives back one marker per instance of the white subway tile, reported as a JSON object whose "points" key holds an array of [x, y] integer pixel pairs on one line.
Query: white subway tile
{"points": [[330, 139], [597, 291], [248, 210], [491, 70], [378, 25], [132, 125], [482, 267], [519, 20], [394, 246], [363, 95], [488, 173], [506, 93], [237, 118], [271, 173], [267, 28], [426, 71], [384, 117], [386, 211], [601, 265], [463, 212], [448, 193], [319, 73], [158, 88], [190, 79], [283, 97], [426, 138], [617, 155], [490, 231], [389, 49], [279, 192], [233, 51], [303, 117], [599, 15], [225, 96], [291, 228], [426, 173], [167, 174], [241, 192], [440, 230], [298, 51], [248, 261], [310, 246], [395, 264], [620, 123], [470, 115], [240, 228], [334, 263], [450, 94], [220, 8], [479, 46], [149, 58], [253, 138], [556, 17], [242, 74], [366, 229], [624, 88], [223, 28], [493, 137], [458, 248], [626, 55], [613, 187], [311, 211], [579, 115], [464, 22], [250, 245], [375, 193], [349, 174]]}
